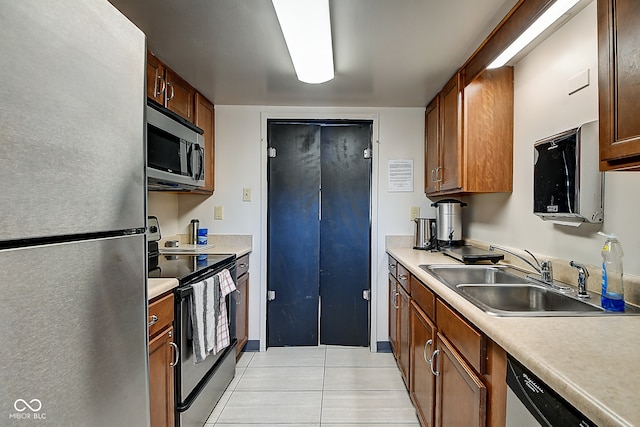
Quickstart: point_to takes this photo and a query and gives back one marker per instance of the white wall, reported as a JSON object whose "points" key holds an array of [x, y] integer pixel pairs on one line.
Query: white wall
{"points": [[543, 108], [241, 162]]}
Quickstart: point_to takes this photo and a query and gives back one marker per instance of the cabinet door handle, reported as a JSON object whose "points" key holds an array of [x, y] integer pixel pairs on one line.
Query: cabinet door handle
{"points": [[434, 362], [424, 351], [433, 175], [239, 297], [395, 299], [153, 321], [177, 353], [162, 85], [439, 174], [172, 91]]}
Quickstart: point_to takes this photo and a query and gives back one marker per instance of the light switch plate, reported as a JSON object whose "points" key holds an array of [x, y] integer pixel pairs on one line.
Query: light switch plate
{"points": [[218, 212], [415, 212], [579, 81], [246, 194]]}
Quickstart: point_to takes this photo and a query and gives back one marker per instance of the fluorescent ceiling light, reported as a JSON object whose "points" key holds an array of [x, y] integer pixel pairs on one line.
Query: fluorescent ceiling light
{"points": [[551, 15], [307, 30]]}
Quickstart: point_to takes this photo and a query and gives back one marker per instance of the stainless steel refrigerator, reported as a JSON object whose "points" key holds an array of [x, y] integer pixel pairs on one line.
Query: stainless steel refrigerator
{"points": [[72, 216]]}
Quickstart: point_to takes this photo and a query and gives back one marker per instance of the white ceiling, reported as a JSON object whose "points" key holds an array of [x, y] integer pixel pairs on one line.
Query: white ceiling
{"points": [[387, 53]]}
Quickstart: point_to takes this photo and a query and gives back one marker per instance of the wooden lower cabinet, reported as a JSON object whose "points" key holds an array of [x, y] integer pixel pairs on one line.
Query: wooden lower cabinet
{"points": [[461, 396], [393, 315], [242, 303], [403, 333], [423, 384], [162, 356], [455, 374], [242, 312], [161, 388]]}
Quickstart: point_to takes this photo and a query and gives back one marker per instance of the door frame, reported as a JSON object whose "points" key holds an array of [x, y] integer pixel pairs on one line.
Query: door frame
{"points": [[320, 115]]}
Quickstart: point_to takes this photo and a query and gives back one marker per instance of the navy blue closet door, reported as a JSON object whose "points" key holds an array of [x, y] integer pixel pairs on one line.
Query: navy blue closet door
{"points": [[345, 235], [293, 234]]}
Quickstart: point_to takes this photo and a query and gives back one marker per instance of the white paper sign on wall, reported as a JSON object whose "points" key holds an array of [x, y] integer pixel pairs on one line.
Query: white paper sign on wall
{"points": [[400, 175]]}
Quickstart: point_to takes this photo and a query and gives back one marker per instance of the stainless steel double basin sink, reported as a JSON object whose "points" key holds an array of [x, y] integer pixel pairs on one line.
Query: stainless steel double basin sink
{"points": [[505, 291]]}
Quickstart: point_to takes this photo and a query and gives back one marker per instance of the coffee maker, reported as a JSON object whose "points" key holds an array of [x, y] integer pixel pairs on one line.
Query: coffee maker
{"points": [[449, 222]]}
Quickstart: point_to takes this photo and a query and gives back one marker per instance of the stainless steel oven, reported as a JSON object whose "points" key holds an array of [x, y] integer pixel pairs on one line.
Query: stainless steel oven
{"points": [[198, 387]]}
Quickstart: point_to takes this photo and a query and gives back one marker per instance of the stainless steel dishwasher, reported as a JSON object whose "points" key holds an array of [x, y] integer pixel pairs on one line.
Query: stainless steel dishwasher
{"points": [[531, 403]]}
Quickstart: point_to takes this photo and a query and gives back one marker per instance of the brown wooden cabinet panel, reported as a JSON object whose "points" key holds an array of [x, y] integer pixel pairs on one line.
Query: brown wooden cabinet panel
{"points": [[422, 390], [205, 120], [393, 315], [168, 89], [180, 95], [161, 357], [471, 344], [451, 135], [403, 333], [161, 386], [156, 85], [432, 158], [619, 83], [488, 132], [461, 396], [242, 312], [475, 143], [423, 296]]}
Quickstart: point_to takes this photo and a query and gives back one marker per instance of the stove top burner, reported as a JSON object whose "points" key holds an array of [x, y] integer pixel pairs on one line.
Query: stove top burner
{"points": [[184, 267]]}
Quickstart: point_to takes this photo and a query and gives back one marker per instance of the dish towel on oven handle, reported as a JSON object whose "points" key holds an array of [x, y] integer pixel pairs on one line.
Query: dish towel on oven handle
{"points": [[202, 317], [222, 331]]}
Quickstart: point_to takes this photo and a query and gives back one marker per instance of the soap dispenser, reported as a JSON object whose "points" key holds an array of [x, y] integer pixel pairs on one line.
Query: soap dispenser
{"points": [[612, 281]]}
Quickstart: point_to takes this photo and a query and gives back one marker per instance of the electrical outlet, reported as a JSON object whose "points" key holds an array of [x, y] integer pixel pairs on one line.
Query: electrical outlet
{"points": [[415, 212], [218, 212], [246, 194]]}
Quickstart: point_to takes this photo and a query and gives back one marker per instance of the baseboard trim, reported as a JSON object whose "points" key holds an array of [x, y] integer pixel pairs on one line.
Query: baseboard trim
{"points": [[252, 346], [384, 347]]}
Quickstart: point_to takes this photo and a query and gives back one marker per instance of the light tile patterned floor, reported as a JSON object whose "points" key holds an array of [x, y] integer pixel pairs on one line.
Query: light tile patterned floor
{"points": [[315, 386]]}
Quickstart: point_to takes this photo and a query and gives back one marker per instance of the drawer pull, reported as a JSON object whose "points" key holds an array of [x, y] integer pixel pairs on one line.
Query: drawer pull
{"points": [[403, 277], [243, 265], [424, 351], [433, 362], [177, 353], [154, 320]]}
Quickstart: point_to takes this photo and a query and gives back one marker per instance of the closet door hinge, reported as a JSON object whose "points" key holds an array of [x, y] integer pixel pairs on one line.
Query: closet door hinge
{"points": [[271, 152], [368, 153], [366, 295], [271, 295]]}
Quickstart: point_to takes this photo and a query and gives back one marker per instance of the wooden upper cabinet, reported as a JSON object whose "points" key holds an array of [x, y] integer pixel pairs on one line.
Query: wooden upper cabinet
{"points": [[619, 83], [156, 85], [180, 95], [451, 135], [432, 145], [168, 89], [205, 120], [488, 132], [474, 135]]}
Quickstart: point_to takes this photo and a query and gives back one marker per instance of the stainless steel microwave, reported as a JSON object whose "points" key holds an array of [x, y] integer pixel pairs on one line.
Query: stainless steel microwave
{"points": [[175, 151]]}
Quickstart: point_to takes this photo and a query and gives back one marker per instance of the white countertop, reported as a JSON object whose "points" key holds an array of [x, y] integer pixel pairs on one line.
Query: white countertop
{"points": [[156, 287], [593, 362]]}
